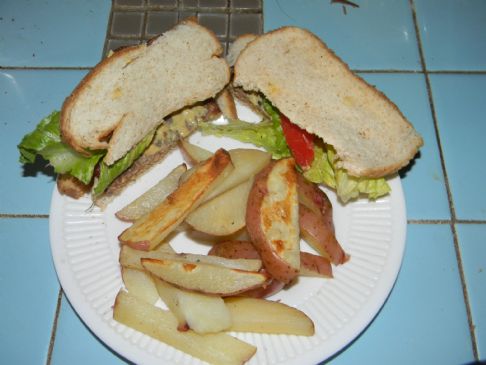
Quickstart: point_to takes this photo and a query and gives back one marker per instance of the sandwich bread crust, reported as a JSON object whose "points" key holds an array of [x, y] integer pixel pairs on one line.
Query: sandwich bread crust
{"points": [[317, 91]]}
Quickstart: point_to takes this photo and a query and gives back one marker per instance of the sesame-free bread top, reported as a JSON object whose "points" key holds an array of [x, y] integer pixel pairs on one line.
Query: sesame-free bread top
{"points": [[128, 94], [316, 90]]}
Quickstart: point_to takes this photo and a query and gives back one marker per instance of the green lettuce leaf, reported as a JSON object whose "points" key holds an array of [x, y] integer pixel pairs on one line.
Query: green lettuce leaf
{"points": [[45, 141], [111, 172], [324, 170], [267, 134]]}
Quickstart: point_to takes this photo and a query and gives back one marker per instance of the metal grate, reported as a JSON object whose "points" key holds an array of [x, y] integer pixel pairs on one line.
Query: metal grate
{"points": [[135, 21]]}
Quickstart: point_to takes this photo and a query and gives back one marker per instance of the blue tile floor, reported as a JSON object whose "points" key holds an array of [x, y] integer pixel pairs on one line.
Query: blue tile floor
{"points": [[429, 57]]}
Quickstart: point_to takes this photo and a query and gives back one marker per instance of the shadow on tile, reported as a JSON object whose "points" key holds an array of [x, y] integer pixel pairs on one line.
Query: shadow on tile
{"points": [[405, 170], [40, 166]]}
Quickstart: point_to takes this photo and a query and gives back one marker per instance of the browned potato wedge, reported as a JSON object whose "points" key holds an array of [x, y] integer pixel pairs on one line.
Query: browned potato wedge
{"points": [[205, 278], [265, 316], [152, 197], [200, 312], [235, 249], [236, 263], [130, 258], [272, 219], [214, 348], [224, 214], [140, 284], [316, 223], [246, 162], [149, 231], [314, 265], [310, 264], [265, 291], [316, 231]]}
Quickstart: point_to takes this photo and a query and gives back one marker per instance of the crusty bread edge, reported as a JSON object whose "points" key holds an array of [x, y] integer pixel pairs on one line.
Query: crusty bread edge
{"points": [[371, 173], [68, 102]]}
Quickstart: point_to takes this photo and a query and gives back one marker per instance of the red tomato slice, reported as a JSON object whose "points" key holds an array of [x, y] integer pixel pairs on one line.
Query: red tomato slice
{"points": [[300, 142]]}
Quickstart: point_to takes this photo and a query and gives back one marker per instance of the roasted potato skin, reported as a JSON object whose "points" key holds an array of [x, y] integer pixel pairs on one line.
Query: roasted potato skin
{"points": [[316, 221], [236, 249], [318, 232], [310, 264], [257, 216], [315, 265]]}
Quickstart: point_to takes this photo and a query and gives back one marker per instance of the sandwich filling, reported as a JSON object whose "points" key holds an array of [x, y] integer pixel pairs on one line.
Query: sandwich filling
{"points": [[46, 141], [317, 160]]}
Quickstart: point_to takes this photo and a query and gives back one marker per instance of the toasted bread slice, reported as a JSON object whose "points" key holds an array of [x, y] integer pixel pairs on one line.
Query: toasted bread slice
{"points": [[316, 90], [128, 94]]}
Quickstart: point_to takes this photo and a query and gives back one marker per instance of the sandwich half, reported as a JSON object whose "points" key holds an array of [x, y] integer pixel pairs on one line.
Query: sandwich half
{"points": [[130, 110], [357, 134]]}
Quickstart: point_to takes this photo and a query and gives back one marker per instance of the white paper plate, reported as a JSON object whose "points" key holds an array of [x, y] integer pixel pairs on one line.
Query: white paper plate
{"points": [[85, 252]]}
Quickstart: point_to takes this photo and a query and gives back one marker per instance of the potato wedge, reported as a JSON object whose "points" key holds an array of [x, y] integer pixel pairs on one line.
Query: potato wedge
{"points": [[193, 153], [316, 221], [272, 219], [152, 197], [265, 316], [149, 231], [215, 348], [310, 264], [234, 249], [205, 278], [140, 284], [315, 265], [130, 258], [200, 312], [247, 163], [265, 291], [224, 214], [317, 232], [237, 264], [226, 104]]}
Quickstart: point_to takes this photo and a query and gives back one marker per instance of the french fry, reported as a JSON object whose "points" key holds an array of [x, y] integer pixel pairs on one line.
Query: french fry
{"points": [[203, 277], [199, 312], [215, 348], [149, 231], [264, 316]]}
